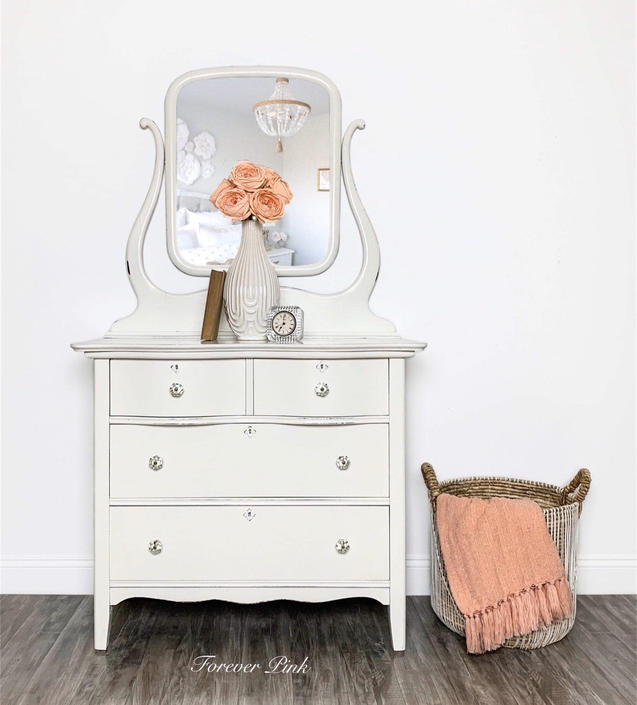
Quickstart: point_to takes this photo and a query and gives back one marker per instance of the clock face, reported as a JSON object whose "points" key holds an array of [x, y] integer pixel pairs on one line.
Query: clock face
{"points": [[284, 323]]}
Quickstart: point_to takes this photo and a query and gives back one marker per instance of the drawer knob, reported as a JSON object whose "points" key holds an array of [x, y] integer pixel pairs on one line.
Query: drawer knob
{"points": [[342, 546], [343, 462], [155, 547], [155, 462], [176, 390], [321, 389], [322, 366], [250, 431], [249, 514]]}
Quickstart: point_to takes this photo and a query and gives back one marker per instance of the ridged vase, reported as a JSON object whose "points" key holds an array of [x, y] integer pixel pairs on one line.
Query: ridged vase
{"points": [[251, 287]]}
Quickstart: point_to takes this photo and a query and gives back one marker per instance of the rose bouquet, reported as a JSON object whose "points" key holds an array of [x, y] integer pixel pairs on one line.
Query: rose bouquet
{"points": [[252, 189]]}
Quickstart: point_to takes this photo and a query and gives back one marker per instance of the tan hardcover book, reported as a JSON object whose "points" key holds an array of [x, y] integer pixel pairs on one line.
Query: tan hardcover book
{"points": [[214, 304]]}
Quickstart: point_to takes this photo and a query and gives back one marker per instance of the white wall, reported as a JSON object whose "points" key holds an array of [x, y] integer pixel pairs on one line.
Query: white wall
{"points": [[498, 167]]}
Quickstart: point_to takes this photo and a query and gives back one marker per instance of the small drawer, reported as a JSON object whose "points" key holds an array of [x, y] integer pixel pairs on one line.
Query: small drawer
{"points": [[249, 460], [177, 387], [320, 387], [253, 543]]}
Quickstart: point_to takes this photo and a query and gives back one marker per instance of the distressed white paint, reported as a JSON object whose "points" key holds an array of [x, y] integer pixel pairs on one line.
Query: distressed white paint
{"points": [[101, 513], [243, 501], [144, 388], [350, 387], [278, 543], [192, 465], [255, 593], [397, 503]]}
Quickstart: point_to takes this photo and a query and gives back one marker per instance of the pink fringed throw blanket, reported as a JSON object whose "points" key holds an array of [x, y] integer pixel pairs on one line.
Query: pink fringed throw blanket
{"points": [[503, 568]]}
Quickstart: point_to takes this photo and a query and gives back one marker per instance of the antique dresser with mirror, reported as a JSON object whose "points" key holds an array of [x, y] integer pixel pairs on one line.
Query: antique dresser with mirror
{"points": [[250, 471]]}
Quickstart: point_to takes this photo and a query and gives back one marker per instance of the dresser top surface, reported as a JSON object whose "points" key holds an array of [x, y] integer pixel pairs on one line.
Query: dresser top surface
{"points": [[163, 347]]}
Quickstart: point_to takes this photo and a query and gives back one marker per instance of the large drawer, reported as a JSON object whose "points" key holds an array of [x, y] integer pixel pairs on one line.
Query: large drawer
{"points": [[321, 387], [249, 460], [177, 388], [257, 543]]}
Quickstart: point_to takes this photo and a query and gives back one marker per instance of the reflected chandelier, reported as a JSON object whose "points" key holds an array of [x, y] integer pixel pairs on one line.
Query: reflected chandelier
{"points": [[281, 115]]}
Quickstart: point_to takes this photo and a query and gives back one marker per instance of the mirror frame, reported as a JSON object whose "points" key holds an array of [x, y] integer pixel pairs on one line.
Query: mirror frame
{"points": [[170, 114]]}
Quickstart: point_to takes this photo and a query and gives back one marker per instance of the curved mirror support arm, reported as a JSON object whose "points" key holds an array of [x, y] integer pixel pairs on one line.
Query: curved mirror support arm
{"points": [[370, 266], [135, 247], [158, 312]]}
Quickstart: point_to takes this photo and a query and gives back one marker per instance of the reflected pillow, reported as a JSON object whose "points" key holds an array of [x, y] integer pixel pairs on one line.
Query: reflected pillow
{"points": [[212, 220], [186, 237]]}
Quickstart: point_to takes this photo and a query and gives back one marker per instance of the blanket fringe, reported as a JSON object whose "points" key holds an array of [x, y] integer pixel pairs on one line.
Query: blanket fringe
{"points": [[521, 613]]}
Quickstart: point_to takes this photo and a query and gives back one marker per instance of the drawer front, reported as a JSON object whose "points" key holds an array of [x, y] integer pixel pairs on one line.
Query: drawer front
{"points": [[177, 388], [249, 460], [257, 543], [320, 388]]}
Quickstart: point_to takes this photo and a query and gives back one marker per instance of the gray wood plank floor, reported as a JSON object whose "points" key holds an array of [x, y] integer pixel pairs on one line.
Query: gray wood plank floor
{"points": [[47, 656]]}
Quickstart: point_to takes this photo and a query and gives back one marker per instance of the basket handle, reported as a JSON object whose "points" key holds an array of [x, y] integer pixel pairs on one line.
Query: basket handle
{"points": [[429, 476], [579, 485]]}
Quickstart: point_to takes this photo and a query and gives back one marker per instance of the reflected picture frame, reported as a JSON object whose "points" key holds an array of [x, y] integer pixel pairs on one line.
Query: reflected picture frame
{"points": [[323, 179]]}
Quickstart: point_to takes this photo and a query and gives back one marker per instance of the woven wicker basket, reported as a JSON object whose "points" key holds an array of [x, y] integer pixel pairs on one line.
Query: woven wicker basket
{"points": [[562, 507]]}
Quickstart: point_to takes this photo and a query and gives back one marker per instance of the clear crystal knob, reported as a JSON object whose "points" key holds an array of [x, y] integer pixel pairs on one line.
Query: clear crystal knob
{"points": [[343, 462], [342, 546], [155, 547], [250, 431], [155, 462], [321, 389], [176, 389], [249, 514], [322, 366]]}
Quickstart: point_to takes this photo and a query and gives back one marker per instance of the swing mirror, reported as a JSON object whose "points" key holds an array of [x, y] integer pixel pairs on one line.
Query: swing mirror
{"points": [[287, 120]]}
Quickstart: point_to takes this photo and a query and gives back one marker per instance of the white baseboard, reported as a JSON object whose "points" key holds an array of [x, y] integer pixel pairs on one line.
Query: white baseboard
{"points": [[603, 574], [418, 574], [46, 575], [598, 574]]}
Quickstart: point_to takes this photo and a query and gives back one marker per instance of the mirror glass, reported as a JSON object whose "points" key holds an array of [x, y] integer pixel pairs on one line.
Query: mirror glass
{"points": [[280, 123]]}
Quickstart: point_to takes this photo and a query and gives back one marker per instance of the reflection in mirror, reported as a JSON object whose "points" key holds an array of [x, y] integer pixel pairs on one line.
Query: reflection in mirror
{"points": [[279, 123]]}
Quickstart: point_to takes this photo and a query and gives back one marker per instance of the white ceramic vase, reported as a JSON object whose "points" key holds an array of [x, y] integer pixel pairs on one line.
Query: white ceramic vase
{"points": [[251, 287]]}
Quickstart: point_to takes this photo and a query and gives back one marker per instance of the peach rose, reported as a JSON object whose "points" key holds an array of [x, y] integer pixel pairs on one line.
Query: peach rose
{"points": [[270, 175], [223, 186], [267, 205], [281, 188], [234, 203], [248, 176]]}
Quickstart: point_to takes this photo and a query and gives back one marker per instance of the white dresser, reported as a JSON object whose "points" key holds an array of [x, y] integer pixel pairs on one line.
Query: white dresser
{"points": [[251, 471], [248, 473]]}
